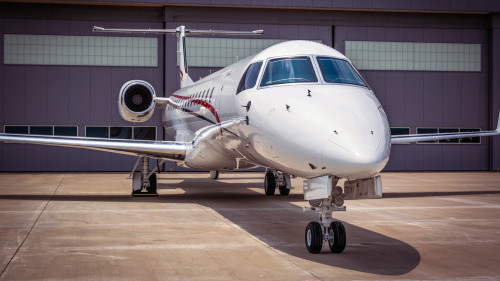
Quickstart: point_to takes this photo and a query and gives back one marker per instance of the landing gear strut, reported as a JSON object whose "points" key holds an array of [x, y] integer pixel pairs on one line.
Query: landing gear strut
{"points": [[327, 229], [144, 182], [275, 179]]}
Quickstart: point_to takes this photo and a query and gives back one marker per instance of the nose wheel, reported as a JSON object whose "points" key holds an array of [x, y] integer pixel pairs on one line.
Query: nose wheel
{"points": [[314, 237], [337, 237], [334, 234]]}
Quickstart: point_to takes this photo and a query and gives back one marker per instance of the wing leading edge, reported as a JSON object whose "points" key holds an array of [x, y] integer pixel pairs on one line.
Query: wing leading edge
{"points": [[445, 136], [156, 149]]}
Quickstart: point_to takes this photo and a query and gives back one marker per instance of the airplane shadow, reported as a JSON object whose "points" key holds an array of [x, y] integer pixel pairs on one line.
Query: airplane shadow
{"points": [[278, 223], [366, 251]]}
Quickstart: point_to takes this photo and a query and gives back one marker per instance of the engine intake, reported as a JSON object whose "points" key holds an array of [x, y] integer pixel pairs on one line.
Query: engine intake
{"points": [[137, 101]]}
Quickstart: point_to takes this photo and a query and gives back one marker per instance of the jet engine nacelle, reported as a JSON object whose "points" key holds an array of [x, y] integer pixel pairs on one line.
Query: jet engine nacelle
{"points": [[137, 101]]}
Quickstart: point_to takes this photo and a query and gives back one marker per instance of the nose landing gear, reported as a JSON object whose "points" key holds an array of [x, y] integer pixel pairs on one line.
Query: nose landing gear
{"points": [[331, 231], [326, 230], [275, 179]]}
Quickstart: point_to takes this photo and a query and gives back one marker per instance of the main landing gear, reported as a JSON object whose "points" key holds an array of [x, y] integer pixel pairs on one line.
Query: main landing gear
{"points": [[326, 230], [144, 182], [275, 179], [214, 174]]}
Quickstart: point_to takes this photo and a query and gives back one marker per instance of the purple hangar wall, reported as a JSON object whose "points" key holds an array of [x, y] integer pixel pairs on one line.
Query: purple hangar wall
{"points": [[74, 95], [430, 99], [494, 86], [83, 95]]}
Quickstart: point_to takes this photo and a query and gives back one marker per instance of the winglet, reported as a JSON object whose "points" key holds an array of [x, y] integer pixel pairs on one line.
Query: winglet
{"points": [[498, 124]]}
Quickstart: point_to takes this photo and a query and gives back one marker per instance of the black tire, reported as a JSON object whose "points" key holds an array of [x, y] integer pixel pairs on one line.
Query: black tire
{"points": [[284, 191], [214, 174], [136, 183], [337, 244], [152, 184], [269, 184], [314, 237]]}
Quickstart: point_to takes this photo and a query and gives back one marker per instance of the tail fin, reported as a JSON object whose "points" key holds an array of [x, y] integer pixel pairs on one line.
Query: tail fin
{"points": [[181, 33], [181, 51], [498, 124]]}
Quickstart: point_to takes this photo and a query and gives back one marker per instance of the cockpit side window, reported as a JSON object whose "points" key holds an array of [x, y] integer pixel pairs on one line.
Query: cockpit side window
{"points": [[249, 79], [289, 70], [339, 71]]}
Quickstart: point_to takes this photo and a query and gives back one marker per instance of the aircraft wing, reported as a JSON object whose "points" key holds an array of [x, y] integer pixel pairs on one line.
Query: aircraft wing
{"points": [[443, 136], [155, 149]]}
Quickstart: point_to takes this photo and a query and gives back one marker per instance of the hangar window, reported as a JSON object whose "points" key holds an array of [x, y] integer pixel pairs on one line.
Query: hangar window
{"points": [[145, 133], [221, 52], [423, 131], [288, 70], [395, 131], [449, 130], [122, 132], [339, 71], [22, 130], [471, 140], [97, 132], [250, 76], [42, 130], [80, 50], [414, 56]]}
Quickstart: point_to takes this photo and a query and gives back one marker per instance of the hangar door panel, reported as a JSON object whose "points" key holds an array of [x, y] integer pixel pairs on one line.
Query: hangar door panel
{"points": [[426, 79]]}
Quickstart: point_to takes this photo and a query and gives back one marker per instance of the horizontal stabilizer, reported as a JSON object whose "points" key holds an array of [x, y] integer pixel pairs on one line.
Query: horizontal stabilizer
{"points": [[175, 31]]}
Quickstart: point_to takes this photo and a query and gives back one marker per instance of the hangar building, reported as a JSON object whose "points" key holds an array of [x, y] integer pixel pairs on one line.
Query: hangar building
{"points": [[434, 65]]}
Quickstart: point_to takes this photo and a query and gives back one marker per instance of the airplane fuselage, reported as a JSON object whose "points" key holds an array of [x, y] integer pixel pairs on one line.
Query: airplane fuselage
{"points": [[304, 128]]}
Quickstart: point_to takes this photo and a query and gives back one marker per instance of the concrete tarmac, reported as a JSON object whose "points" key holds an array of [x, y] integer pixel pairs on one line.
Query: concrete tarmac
{"points": [[74, 226]]}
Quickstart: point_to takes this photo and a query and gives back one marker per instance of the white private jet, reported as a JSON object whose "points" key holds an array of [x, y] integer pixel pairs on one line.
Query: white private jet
{"points": [[298, 108]]}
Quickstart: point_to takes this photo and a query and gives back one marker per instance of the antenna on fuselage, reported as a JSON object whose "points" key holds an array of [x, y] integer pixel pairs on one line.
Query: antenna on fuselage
{"points": [[181, 32]]}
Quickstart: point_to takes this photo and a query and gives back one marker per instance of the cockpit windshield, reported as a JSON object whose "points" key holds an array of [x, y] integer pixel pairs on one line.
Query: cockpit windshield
{"points": [[288, 70], [339, 71]]}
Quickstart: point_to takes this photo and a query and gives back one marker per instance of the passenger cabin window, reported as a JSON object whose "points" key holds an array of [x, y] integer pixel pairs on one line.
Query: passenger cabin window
{"points": [[289, 70], [339, 71], [250, 77]]}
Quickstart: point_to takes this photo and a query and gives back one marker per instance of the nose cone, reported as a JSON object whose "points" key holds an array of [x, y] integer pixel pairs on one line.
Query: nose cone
{"points": [[359, 146], [338, 130], [356, 153]]}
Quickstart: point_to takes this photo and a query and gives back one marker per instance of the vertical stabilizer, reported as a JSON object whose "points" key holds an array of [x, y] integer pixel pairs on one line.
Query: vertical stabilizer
{"points": [[498, 124], [181, 51]]}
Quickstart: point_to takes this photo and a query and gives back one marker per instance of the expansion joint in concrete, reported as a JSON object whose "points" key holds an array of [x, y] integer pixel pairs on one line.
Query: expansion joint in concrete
{"points": [[31, 228]]}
